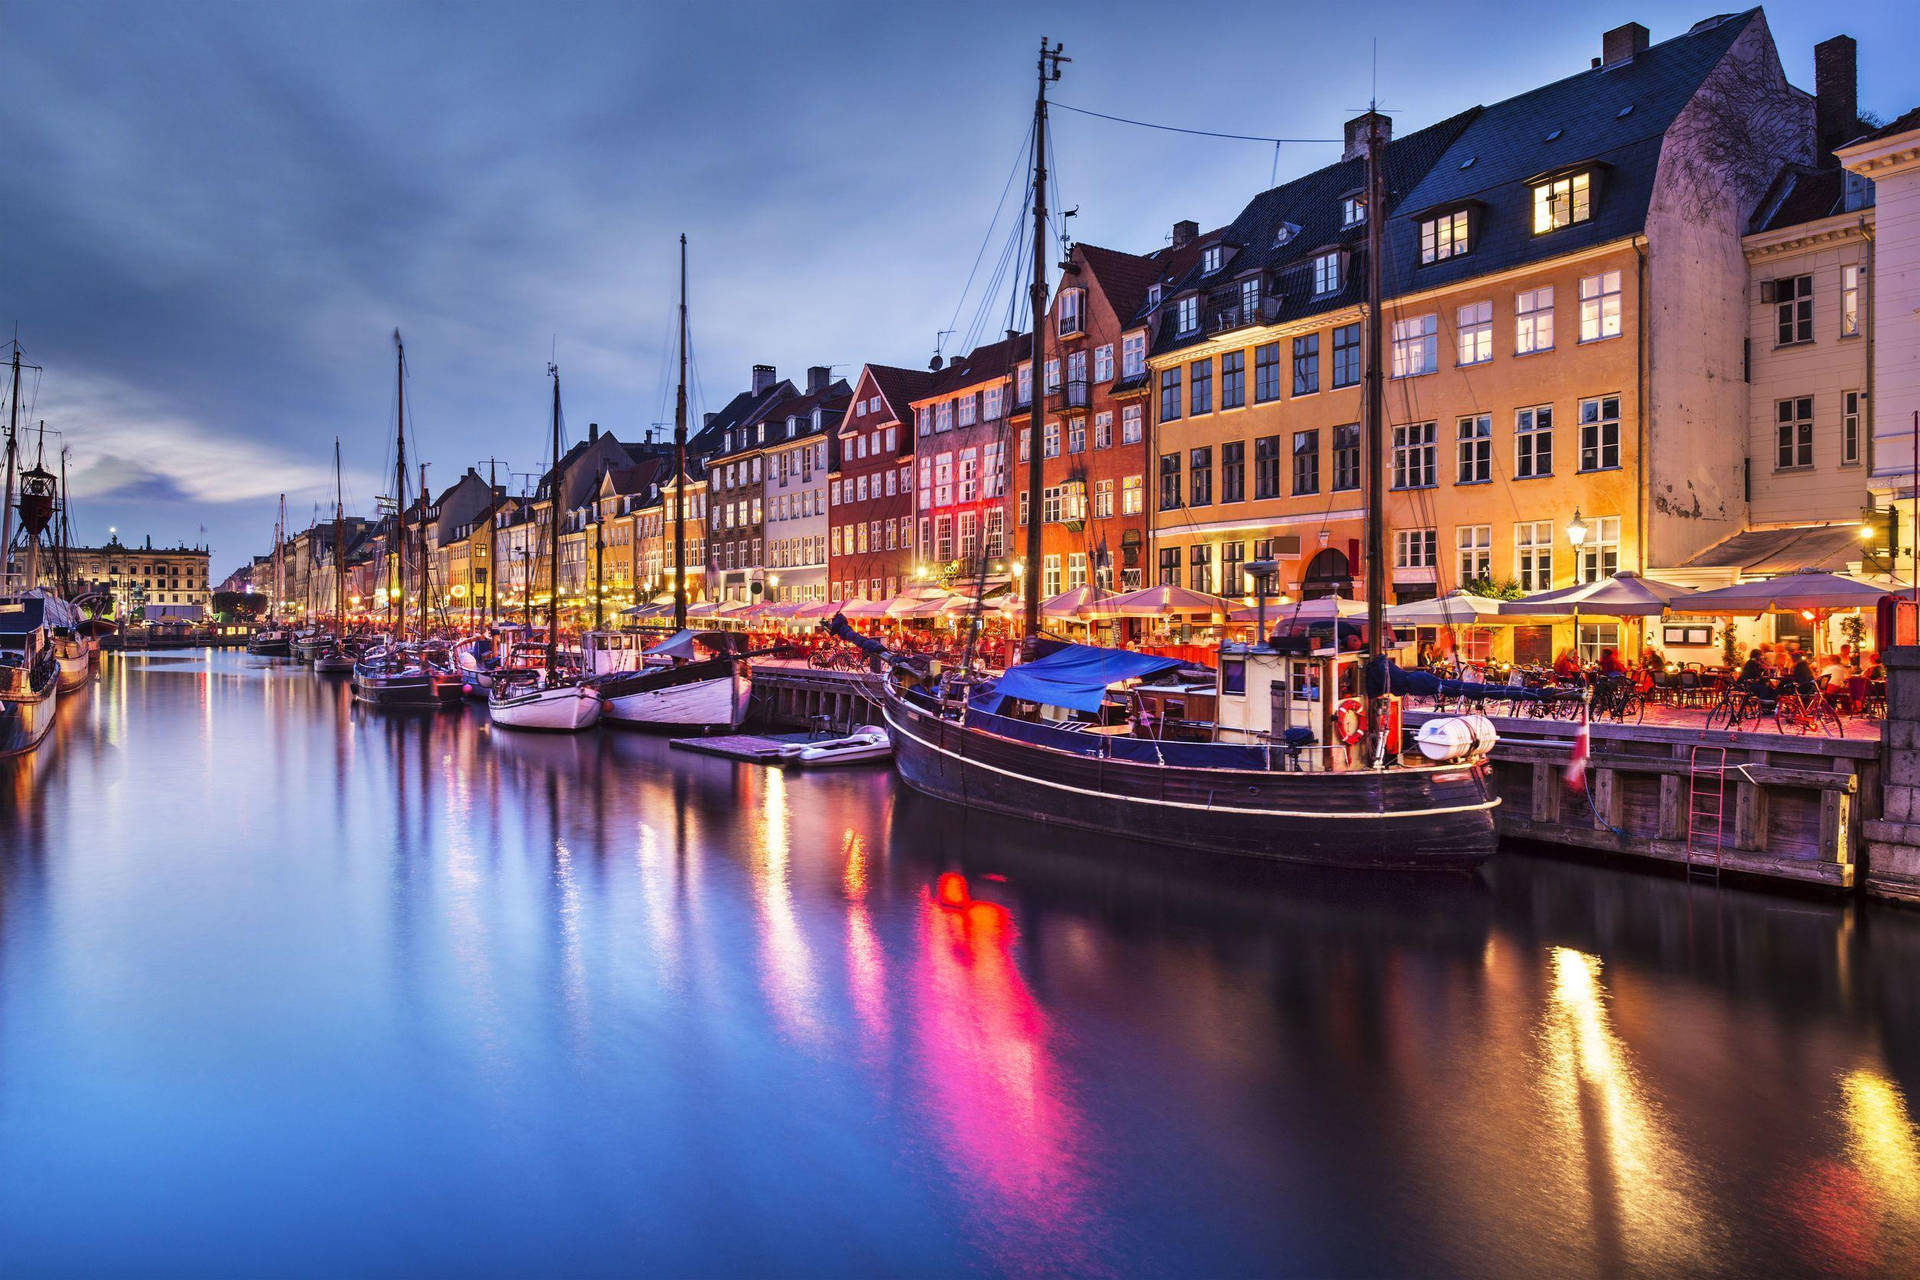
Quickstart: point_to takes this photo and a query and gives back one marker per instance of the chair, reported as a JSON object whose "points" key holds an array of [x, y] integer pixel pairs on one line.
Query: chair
{"points": [[1859, 694], [1689, 687]]}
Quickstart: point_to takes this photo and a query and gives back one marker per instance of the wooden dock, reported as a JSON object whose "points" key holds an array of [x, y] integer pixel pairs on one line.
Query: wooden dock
{"points": [[798, 696], [756, 748], [1783, 807]]}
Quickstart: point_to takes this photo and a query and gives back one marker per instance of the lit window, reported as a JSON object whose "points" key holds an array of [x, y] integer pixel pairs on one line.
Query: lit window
{"points": [[1600, 306], [1850, 300], [1533, 555], [1474, 545], [1353, 210], [1443, 237], [1561, 203], [1186, 315], [1210, 260], [1475, 330], [1415, 345], [1533, 321], [1326, 273], [1599, 556]]}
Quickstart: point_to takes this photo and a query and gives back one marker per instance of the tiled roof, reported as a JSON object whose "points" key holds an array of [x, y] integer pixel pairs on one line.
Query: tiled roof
{"points": [[901, 387], [742, 409], [1800, 194], [1123, 277], [775, 411], [982, 364], [1905, 124]]}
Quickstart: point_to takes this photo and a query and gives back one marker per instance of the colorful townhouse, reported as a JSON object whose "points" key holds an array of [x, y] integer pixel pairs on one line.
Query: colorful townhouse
{"points": [[963, 426], [870, 538], [1537, 253], [799, 461]]}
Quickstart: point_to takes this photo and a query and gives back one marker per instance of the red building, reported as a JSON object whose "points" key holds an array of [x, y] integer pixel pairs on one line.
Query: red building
{"points": [[961, 467], [870, 494]]}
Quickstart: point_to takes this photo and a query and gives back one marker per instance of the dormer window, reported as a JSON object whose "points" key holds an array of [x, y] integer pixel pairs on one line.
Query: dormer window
{"points": [[1186, 315], [1327, 275], [793, 426], [1250, 299], [1072, 312], [1561, 202], [1353, 211], [1153, 295], [1210, 259], [1444, 236], [1286, 232]]}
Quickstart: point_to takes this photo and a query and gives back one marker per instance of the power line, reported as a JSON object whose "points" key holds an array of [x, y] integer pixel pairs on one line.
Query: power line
{"points": [[1172, 128]]}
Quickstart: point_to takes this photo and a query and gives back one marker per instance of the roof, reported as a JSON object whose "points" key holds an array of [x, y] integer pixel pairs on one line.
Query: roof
{"points": [[982, 364], [1125, 277], [901, 387], [1800, 193], [742, 409], [1771, 551], [1905, 124], [634, 479]]}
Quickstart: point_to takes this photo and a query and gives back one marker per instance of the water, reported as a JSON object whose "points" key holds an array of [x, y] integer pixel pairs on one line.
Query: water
{"points": [[291, 987]]}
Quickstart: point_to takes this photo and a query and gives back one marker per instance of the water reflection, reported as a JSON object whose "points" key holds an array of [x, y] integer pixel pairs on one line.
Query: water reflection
{"points": [[403, 987]]}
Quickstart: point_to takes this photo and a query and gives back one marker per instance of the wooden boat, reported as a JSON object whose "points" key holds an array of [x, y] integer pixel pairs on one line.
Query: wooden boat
{"points": [[334, 660], [275, 642], [75, 659], [398, 679], [29, 675]]}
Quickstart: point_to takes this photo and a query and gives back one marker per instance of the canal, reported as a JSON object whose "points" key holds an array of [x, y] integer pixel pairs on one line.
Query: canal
{"points": [[291, 987]]}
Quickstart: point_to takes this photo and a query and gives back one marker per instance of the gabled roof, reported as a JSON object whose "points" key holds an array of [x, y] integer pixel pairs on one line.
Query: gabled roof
{"points": [[620, 482], [982, 364], [1801, 193], [1905, 124], [833, 400], [901, 387], [743, 409]]}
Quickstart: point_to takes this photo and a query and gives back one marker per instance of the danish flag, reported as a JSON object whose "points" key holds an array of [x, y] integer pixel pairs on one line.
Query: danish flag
{"points": [[1577, 763]]}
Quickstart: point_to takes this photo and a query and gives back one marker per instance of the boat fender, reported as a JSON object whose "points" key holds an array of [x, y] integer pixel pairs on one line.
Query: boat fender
{"points": [[1350, 721]]}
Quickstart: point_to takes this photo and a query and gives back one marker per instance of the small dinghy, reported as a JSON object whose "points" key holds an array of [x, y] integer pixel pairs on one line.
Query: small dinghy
{"points": [[869, 742]]}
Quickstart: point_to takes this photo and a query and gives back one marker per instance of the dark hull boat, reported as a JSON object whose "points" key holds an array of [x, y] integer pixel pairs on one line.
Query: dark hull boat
{"points": [[333, 661], [29, 675], [1218, 797], [270, 644], [404, 686]]}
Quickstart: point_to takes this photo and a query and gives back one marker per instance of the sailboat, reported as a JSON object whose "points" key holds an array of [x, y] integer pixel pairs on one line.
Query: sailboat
{"points": [[333, 659], [546, 698], [679, 690], [275, 640], [29, 669], [1069, 737], [393, 676], [73, 648]]}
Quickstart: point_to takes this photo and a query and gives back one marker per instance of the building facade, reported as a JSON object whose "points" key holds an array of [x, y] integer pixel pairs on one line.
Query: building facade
{"points": [[963, 431], [870, 537], [136, 579]]}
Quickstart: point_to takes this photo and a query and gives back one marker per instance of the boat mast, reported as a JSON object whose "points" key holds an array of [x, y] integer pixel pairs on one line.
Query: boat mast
{"points": [[1372, 414], [493, 522], [339, 550], [6, 513], [553, 534], [423, 553], [679, 457], [1049, 67], [279, 559], [399, 605]]}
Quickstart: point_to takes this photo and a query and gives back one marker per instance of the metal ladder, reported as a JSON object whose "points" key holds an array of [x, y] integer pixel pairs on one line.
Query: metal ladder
{"points": [[1706, 809]]}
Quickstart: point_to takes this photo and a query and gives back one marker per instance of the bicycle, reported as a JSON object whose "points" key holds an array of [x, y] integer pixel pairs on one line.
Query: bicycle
{"points": [[1741, 706], [1616, 696], [1807, 712]]}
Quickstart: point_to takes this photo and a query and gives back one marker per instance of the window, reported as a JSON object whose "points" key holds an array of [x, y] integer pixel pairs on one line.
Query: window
{"points": [[1103, 499], [1533, 555], [1353, 210], [1050, 578], [1599, 556], [1533, 321], [1850, 300], [969, 475], [1233, 471], [1600, 433], [1266, 372], [996, 540], [1232, 554], [1210, 259], [989, 407], [1023, 385], [1103, 429], [1053, 374], [1475, 332], [1346, 457], [1050, 440], [943, 482], [1133, 355], [1076, 570], [1306, 364], [943, 416], [1133, 495], [1266, 467], [1561, 203], [1415, 548], [1413, 456], [1475, 439], [1533, 442], [1306, 462], [1794, 432], [1023, 508], [1200, 394], [943, 537], [1849, 428], [1200, 567], [1326, 273], [1131, 424], [1169, 394], [1103, 363], [1415, 345], [1051, 508], [1186, 314], [1443, 237], [1346, 356], [1250, 300], [1169, 566], [1473, 544], [1600, 306], [1233, 379], [1793, 309], [1200, 479], [1169, 482], [1072, 307]]}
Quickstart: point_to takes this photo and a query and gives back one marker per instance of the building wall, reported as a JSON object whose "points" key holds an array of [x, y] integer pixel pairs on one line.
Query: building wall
{"points": [[135, 577], [874, 443], [942, 506], [796, 519], [737, 522], [1831, 370], [1893, 164]]}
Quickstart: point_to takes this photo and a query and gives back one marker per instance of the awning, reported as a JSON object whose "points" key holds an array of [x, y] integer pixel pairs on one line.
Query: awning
{"points": [[1455, 609], [1074, 676], [704, 609], [867, 608], [1758, 552], [1788, 593], [1162, 602], [1625, 595]]}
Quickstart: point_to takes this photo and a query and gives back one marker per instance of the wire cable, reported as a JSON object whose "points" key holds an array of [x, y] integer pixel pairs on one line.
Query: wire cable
{"points": [[1172, 128]]}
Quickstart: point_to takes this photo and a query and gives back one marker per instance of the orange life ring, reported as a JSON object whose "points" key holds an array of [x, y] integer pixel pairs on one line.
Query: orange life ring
{"points": [[1350, 721]]}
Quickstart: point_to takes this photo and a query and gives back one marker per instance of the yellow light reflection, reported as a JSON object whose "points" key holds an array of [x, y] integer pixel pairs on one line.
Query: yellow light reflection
{"points": [[787, 965], [1882, 1144], [1640, 1188]]}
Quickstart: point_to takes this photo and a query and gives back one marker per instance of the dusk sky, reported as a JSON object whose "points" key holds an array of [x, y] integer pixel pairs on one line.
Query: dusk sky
{"points": [[217, 213]]}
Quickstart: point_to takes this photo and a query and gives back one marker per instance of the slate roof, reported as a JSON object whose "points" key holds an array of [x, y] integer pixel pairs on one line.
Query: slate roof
{"points": [[1905, 124], [1801, 193], [739, 411], [774, 410], [982, 364]]}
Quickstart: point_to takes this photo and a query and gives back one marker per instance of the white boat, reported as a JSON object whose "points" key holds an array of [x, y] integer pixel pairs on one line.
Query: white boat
{"points": [[536, 701], [869, 742], [712, 694], [76, 663]]}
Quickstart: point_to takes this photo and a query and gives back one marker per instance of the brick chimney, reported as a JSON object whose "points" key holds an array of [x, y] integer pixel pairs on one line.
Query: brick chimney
{"points": [[1184, 232], [1357, 134], [763, 378], [818, 376], [1836, 101], [593, 432], [1622, 43]]}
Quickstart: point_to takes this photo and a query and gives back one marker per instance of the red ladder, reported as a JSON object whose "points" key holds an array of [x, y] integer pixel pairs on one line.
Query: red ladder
{"points": [[1706, 808]]}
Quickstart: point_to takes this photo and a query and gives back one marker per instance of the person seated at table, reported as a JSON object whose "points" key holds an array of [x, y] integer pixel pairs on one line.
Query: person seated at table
{"points": [[1800, 676], [1875, 671], [1836, 671], [1755, 677], [1651, 660], [1610, 664], [1567, 665]]}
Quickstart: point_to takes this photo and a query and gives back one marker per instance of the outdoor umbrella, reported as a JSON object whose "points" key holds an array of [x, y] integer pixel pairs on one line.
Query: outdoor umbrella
{"points": [[1160, 602], [1323, 609], [1075, 603], [1455, 609], [1802, 590], [867, 608], [1624, 595]]}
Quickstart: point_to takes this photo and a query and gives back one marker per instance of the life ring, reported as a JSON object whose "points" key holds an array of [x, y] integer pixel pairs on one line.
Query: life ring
{"points": [[1350, 721]]}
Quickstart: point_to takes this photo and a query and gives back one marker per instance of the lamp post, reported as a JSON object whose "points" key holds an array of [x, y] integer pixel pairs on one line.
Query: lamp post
{"points": [[1263, 571]]}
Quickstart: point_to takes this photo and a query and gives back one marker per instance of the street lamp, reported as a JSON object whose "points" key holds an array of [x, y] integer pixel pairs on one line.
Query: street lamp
{"points": [[1576, 529]]}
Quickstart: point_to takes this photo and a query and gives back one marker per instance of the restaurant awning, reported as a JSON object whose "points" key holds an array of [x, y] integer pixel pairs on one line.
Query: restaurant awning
{"points": [[1757, 552], [1625, 595], [1162, 602], [1788, 593]]}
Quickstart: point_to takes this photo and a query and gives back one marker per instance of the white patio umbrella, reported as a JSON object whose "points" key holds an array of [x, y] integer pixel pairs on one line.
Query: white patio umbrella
{"points": [[1802, 590], [1457, 608], [1162, 601], [1624, 595]]}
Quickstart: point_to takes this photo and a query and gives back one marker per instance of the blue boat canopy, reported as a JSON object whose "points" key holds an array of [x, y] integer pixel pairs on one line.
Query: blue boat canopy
{"points": [[1074, 676]]}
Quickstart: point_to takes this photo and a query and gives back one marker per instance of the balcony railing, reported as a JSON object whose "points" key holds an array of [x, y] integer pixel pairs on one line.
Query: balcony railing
{"points": [[1071, 394]]}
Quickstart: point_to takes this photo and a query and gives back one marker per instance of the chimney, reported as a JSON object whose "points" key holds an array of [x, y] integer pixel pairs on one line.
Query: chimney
{"points": [[818, 376], [1184, 232], [1357, 133], [762, 378], [1836, 102], [593, 432], [1622, 43], [706, 420]]}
